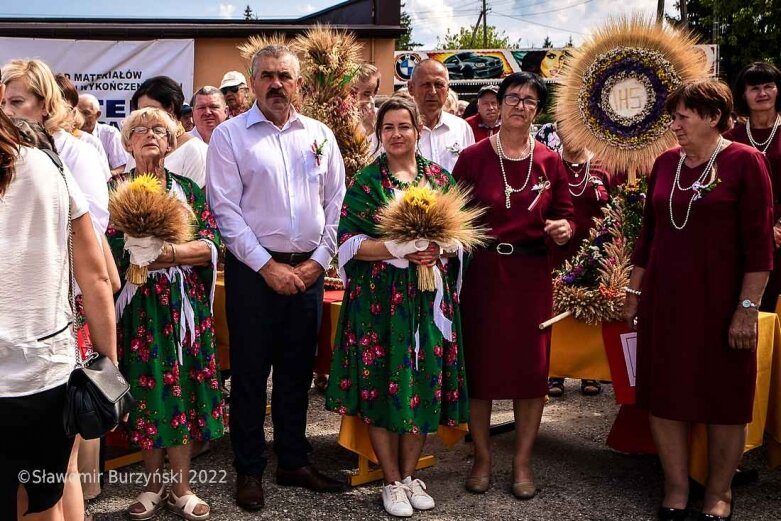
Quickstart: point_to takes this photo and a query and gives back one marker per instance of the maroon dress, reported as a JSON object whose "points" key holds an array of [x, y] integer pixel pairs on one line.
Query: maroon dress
{"points": [[588, 197], [773, 155], [686, 370], [505, 297]]}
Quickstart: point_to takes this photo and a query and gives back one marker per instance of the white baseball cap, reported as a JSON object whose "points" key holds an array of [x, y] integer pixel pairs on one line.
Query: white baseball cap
{"points": [[233, 79]]}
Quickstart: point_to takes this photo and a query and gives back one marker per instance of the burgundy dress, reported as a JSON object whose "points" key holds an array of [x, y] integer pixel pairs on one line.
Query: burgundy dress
{"points": [[505, 297], [773, 155], [588, 197], [686, 370]]}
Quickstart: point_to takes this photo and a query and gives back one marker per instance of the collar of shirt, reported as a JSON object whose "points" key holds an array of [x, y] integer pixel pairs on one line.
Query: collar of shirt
{"points": [[255, 116], [441, 123], [483, 125]]}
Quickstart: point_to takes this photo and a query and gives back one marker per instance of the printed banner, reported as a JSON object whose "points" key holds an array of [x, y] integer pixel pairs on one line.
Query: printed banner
{"points": [[110, 70], [475, 66]]}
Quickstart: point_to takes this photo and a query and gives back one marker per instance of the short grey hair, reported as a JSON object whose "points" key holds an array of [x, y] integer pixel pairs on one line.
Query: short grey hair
{"points": [[140, 116], [275, 51], [207, 90]]}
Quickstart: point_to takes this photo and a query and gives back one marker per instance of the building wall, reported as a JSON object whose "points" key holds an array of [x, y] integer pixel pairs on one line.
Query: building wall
{"points": [[216, 56]]}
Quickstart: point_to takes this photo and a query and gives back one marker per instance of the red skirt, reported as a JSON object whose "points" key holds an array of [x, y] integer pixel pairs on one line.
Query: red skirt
{"points": [[504, 299]]}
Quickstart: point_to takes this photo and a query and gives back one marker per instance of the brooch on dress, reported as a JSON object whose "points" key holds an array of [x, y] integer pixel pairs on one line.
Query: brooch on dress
{"points": [[318, 150], [541, 185], [455, 148]]}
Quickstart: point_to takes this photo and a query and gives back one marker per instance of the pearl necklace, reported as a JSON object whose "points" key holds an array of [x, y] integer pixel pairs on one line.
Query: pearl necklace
{"points": [[509, 190], [766, 144], [696, 186], [580, 184]]}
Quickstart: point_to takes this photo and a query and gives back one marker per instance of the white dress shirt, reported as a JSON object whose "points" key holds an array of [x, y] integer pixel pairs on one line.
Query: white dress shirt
{"points": [[443, 143], [268, 190], [90, 173], [111, 139]]}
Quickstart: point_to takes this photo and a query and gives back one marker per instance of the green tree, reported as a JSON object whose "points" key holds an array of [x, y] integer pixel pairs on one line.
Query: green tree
{"points": [[745, 30], [547, 44], [248, 14], [404, 42], [463, 39]]}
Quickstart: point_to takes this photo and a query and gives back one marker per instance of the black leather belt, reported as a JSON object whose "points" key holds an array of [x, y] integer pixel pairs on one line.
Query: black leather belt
{"points": [[290, 258], [528, 249]]}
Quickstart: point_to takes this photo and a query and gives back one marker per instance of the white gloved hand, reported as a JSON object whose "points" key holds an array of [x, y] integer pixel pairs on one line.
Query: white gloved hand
{"points": [[399, 250], [143, 250], [451, 246]]}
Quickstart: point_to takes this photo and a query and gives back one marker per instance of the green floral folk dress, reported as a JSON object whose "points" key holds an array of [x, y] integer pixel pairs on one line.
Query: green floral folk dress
{"points": [[375, 373], [167, 348]]}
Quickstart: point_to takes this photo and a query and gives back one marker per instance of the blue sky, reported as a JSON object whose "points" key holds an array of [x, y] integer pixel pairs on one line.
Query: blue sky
{"points": [[528, 20]]}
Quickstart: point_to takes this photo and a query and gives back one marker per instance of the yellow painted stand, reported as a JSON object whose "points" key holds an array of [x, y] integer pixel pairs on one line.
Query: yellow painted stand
{"points": [[368, 473]]}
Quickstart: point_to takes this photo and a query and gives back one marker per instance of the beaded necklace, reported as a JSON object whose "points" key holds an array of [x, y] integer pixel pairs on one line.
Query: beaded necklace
{"points": [[696, 186], [763, 146], [398, 183], [509, 190]]}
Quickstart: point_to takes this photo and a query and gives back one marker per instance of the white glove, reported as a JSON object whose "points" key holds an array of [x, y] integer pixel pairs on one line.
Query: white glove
{"points": [[399, 250], [143, 250], [451, 246]]}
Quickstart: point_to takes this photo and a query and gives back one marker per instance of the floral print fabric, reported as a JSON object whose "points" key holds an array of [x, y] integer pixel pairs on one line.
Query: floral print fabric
{"points": [[373, 370], [177, 404]]}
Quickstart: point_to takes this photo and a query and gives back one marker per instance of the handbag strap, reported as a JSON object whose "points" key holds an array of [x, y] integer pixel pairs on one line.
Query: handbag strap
{"points": [[71, 288]]}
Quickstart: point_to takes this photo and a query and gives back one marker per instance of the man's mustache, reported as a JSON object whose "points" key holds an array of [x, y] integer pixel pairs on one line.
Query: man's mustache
{"points": [[277, 93]]}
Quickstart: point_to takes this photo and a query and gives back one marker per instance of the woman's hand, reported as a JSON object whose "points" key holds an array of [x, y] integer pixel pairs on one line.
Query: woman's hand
{"points": [[743, 329], [559, 230], [777, 234], [425, 257], [630, 311]]}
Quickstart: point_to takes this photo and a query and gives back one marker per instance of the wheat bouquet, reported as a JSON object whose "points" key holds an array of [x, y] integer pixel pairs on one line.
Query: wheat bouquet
{"points": [[149, 217], [423, 215]]}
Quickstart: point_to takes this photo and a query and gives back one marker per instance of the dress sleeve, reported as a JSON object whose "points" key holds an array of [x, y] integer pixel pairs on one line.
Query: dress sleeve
{"points": [[755, 213], [642, 250]]}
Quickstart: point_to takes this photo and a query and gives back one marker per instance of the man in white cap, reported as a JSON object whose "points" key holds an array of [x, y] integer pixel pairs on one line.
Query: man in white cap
{"points": [[234, 87]]}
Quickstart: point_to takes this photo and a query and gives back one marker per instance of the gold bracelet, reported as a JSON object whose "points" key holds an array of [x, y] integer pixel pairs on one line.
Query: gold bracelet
{"points": [[173, 254]]}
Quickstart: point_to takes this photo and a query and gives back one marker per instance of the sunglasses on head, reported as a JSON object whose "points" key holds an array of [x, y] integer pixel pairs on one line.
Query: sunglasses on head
{"points": [[233, 89]]}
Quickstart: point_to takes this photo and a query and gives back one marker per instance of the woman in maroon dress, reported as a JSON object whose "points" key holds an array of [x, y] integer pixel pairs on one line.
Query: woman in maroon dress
{"points": [[701, 264], [589, 186], [756, 98], [507, 289]]}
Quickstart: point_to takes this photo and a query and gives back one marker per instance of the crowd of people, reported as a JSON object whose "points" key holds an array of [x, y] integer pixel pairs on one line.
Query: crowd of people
{"points": [[268, 184]]}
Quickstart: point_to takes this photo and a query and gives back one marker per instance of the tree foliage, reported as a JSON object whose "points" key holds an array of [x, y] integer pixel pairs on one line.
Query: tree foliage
{"points": [[547, 44], [463, 39], [405, 42], [745, 30], [249, 14]]}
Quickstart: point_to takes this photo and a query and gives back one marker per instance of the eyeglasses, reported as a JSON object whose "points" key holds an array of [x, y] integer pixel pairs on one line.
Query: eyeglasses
{"points": [[233, 89], [512, 100], [159, 131]]}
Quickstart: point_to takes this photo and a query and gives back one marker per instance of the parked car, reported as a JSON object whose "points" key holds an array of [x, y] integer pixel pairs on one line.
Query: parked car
{"points": [[470, 65]]}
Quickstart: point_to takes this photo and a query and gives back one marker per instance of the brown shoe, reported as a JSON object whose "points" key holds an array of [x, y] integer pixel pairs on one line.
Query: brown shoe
{"points": [[249, 492], [308, 477], [525, 490]]}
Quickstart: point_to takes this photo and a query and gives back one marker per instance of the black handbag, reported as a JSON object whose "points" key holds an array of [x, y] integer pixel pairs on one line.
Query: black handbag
{"points": [[97, 396]]}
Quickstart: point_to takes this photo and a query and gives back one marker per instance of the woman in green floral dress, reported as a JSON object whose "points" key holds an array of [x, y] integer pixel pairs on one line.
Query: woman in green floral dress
{"points": [[166, 337], [392, 366]]}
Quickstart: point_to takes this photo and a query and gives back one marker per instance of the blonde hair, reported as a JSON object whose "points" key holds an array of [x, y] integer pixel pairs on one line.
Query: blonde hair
{"points": [[137, 117], [40, 81]]}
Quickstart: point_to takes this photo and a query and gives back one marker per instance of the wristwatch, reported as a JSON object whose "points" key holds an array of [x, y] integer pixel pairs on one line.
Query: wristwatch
{"points": [[747, 304]]}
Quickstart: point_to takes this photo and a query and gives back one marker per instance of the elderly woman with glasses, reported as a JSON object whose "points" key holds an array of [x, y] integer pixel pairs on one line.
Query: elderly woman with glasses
{"points": [[166, 333], [507, 289]]}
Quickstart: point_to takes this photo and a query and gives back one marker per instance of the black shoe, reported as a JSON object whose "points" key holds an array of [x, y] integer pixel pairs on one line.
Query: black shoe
{"points": [[308, 477], [249, 492], [590, 387], [555, 387], [671, 514]]}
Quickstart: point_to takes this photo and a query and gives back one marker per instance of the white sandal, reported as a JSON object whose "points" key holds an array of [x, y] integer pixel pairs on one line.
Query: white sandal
{"points": [[185, 505], [151, 501]]}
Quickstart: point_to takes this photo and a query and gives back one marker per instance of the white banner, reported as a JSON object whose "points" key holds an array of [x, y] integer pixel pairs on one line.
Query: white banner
{"points": [[111, 70]]}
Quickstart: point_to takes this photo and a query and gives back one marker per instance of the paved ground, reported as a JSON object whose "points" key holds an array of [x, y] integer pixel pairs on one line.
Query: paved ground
{"points": [[580, 478]]}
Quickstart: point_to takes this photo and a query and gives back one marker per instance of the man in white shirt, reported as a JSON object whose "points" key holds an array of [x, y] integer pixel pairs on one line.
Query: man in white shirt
{"points": [[275, 184], [444, 135], [209, 110], [110, 137]]}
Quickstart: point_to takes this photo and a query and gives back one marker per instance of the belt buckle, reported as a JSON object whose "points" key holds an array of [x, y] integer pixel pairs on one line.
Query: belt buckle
{"points": [[505, 248]]}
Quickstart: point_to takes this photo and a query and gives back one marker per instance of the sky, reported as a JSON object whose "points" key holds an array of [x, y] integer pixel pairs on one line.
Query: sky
{"points": [[529, 21]]}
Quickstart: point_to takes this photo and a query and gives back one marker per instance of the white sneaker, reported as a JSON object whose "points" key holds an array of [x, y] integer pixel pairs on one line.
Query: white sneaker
{"points": [[394, 499], [416, 493]]}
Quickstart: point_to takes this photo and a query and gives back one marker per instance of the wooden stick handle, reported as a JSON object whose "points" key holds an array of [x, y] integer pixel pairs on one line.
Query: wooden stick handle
{"points": [[551, 321]]}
